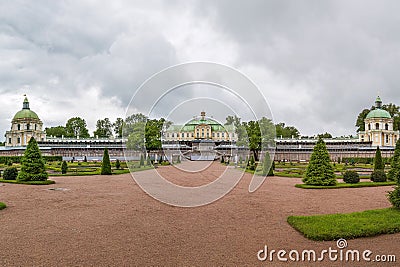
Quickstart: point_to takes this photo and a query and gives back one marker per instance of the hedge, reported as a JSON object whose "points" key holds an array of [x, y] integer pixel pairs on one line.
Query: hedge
{"points": [[363, 160], [17, 159]]}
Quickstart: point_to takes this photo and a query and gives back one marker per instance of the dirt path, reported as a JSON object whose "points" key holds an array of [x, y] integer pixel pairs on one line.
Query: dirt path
{"points": [[110, 221]]}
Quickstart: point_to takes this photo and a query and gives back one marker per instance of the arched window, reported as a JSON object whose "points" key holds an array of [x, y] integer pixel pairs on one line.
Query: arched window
{"points": [[35, 127], [369, 126], [387, 138], [377, 126], [386, 127], [18, 140], [19, 127], [197, 135], [28, 126]]}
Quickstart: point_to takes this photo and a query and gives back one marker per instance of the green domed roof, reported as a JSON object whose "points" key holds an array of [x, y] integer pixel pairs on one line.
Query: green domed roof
{"points": [[378, 113], [25, 112]]}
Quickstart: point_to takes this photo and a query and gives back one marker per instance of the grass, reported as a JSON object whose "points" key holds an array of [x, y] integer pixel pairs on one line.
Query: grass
{"points": [[28, 182], [345, 185], [2, 205], [350, 225]]}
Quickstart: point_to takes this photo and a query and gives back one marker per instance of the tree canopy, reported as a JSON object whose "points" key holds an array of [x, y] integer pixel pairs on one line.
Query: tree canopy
{"points": [[286, 131], [103, 128], [32, 164], [77, 127], [57, 131]]}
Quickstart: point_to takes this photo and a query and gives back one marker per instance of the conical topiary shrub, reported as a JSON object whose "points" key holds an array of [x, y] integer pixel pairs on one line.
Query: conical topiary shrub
{"points": [[32, 164], [105, 164], [320, 170], [395, 163]]}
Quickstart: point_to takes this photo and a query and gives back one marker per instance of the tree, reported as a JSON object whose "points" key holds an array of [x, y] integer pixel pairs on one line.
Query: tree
{"points": [[148, 160], [320, 170], [105, 164], [378, 162], [360, 119], [325, 135], [286, 131], [395, 164], [77, 127], [64, 167], [118, 125], [267, 165], [32, 164], [57, 131], [153, 130], [103, 128]]}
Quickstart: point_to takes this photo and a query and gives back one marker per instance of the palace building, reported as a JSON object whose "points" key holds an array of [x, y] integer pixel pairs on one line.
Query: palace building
{"points": [[201, 138], [24, 125], [379, 127]]}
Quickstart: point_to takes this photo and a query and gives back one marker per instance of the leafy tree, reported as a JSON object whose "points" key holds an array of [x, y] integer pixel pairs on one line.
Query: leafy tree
{"points": [[103, 128], [252, 163], [64, 167], [153, 134], [118, 125], [105, 164], [360, 119], [378, 176], [395, 163], [378, 162], [351, 177], [57, 131], [325, 135], [320, 170], [77, 127], [267, 167], [32, 164], [286, 131]]}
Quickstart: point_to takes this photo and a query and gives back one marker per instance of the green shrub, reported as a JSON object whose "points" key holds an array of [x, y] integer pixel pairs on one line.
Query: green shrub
{"points": [[378, 176], [252, 163], [117, 164], [64, 167], [141, 161], [378, 162], [320, 170], [32, 164], [394, 197], [106, 164], [10, 173], [148, 160], [351, 177], [395, 163]]}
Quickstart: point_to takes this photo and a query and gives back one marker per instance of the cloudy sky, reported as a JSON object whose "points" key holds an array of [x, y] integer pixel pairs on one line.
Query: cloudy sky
{"points": [[318, 63]]}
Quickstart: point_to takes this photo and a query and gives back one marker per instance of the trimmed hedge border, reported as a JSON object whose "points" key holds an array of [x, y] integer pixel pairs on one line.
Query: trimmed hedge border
{"points": [[17, 159], [2, 206], [47, 182], [344, 185]]}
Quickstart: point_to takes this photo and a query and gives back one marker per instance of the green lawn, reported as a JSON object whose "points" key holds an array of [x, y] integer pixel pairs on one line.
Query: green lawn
{"points": [[2, 205], [348, 226], [345, 185], [28, 182]]}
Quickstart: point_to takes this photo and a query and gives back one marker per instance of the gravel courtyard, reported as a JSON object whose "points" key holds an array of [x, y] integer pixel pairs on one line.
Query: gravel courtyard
{"points": [[110, 221]]}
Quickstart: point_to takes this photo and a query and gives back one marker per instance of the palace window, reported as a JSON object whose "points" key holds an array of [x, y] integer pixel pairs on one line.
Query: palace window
{"points": [[177, 135], [369, 126], [208, 135], [202, 134], [223, 134], [19, 127], [192, 134], [35, 127], [213, 134], [28, 126], [387, 138], [9, 140], [197, 135], [173, 135], [386, 127], [167, 134], [18, 140], [217, 134], [377, 126]]}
